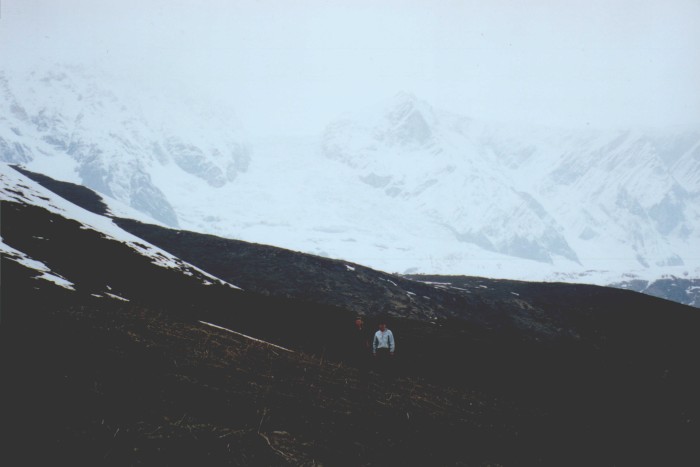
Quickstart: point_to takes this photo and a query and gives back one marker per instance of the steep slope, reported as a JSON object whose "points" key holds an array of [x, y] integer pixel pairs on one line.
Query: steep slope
{"points": [[59, 244], [22, 199]]}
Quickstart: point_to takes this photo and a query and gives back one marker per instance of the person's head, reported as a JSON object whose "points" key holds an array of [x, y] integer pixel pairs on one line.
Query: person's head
{"points": [[359, 323], [382, 326]]}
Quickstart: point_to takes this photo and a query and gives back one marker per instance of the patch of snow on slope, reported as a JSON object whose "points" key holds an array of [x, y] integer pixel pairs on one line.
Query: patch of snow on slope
{"points": [[117, 297], [44, 271]]}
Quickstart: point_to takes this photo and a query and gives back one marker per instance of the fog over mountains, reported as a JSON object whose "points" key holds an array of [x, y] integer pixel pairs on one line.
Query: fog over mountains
{"points": [[403, 187]]}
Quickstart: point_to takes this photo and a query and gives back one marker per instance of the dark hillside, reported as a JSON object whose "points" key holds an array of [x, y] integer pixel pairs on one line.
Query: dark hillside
{"points": [[94, 381], [77, 194], [570, 315], [486, 372], [107, 384], [101, 267]]}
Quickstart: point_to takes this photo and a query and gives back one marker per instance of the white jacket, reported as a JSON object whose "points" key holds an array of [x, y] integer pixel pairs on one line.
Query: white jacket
{"points": [[383, 340]]}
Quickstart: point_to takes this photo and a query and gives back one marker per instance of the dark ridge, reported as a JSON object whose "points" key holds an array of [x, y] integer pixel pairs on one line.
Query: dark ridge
{"points": [[76, 194], [582, 314]]}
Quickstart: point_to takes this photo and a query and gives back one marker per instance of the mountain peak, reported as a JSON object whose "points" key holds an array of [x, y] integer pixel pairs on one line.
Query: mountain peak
{"points": [[403, 103], [404, 96], [408, 120]]}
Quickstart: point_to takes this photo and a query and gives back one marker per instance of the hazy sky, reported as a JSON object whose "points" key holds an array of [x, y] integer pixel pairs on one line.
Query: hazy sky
{"points": [[292, 66]]}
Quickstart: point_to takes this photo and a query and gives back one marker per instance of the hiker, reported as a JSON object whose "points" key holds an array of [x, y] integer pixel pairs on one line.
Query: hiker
{"points": [[383, 344], [361, 339], [360, 346]]}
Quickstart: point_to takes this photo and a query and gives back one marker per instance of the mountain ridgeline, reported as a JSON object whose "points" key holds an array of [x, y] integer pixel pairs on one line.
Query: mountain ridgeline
{"points": [[119, 362], [403, 187]]}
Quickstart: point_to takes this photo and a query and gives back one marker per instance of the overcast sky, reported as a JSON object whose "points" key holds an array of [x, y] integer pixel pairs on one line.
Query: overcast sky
{"points": [[292, 66]]}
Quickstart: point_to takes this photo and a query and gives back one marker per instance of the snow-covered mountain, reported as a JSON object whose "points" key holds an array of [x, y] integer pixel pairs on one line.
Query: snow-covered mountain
{"points": [[401, 187], [81, 126], [445, 168], [617, 200]]}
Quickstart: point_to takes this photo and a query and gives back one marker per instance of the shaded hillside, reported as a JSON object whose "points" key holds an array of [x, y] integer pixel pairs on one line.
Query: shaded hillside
{"points": [[585, 314], [78, 194], [97, 381], [527, 327], [510, 374], [100, 267], [105, 383]]}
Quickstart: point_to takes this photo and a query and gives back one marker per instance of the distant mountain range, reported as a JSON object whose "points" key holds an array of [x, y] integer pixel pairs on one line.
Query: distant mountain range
{"points": [[403, 187]]}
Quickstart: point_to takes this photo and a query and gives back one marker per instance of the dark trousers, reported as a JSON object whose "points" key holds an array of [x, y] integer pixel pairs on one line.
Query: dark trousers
{"points": [[360, 360], [382, 362]]}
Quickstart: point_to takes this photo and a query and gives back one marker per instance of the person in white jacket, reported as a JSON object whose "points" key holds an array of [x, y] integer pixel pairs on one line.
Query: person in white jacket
{"points": [[383, 344]]}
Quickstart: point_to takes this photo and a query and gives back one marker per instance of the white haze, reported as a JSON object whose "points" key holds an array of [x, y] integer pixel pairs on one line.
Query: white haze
{"points": [[290, 67]]}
